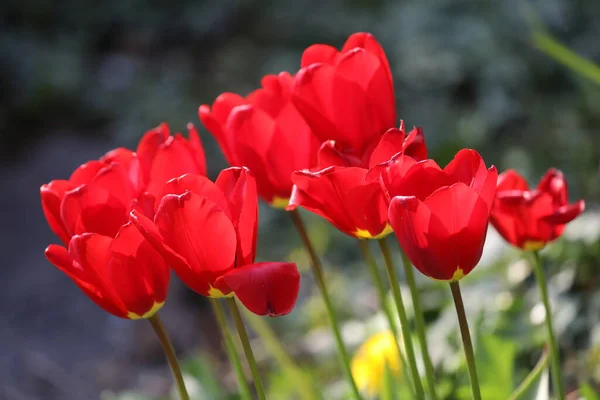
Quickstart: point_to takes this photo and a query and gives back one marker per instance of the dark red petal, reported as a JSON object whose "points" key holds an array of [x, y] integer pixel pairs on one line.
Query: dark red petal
{"points": [[202, 234], [52, 195], [266, 288], [318, 53], [239, 186], [566, 214], [511, 180], [198, 184], [137, 271]]}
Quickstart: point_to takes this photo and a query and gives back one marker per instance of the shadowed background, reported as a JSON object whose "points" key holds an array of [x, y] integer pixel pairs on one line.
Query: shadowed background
{"points": [[78, 79]]}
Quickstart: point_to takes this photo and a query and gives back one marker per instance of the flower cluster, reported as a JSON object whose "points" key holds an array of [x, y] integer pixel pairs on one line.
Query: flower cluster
{"points": [[327, 139]]}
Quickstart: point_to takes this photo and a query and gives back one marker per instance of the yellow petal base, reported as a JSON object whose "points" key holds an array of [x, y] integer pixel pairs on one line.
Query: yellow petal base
{"points": [[279, 202], [364, 234], [533, 245], [148, 314]]}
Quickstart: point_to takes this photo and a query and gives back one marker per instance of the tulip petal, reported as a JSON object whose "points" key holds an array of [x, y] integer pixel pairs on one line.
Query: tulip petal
{"points": [[464, 215], [85, 173], [137, 271], [239, 186], [511, 180], [215, 120], [391, 143], [197, 184], [318, 53], [202, 234], [565, 214], [265, 288], [101, 206], [89, 256], [330, 154], [52, 195]]}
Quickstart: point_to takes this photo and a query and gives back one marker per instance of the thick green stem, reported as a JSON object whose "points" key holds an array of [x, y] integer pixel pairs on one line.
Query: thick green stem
{"points": [[374, 270], [318, 273], [163, 337], [231, 352], [554, 353], [406, 335], [420, 325], [466, 339], [239, 323]]}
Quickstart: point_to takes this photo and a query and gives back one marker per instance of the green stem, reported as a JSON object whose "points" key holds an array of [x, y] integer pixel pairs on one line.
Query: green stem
{"points": [[531, 378], [466, 339], [163, 337], [318, 273], [420, 324], [231, 352], [406, 335], [374, 270], [239, 323], [554, 353], [303, 383]]}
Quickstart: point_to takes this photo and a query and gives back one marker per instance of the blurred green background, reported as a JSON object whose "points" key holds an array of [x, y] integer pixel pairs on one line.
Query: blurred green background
{"points": [[80, 78]]}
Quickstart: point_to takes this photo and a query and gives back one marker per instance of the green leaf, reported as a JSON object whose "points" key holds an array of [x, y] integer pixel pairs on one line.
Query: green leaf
{"points": [[536, 384], [587, 392], [494, 357], [389, 384], [562, 54]]}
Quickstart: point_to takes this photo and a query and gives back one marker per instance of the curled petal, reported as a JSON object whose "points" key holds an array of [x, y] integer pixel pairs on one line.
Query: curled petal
{"points": [[265, 288], [198, 184], [565, 214], [239, 187]]}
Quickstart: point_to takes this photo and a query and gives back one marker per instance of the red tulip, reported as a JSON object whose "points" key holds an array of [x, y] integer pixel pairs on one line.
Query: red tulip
{"points": [[393, 141], [350, 197], [107, 257], [530, 218], [97, 197], [264, 132], [207, 232], [440, 216], [125, 276], [164, 157], [348, 95]]}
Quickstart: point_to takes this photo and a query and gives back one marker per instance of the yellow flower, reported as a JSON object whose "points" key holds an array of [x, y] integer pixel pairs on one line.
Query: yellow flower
{"points": [[368, 364]]}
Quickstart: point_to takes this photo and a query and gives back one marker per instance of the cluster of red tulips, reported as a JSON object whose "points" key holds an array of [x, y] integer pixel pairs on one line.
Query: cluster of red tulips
{"points": [[325, 139]]}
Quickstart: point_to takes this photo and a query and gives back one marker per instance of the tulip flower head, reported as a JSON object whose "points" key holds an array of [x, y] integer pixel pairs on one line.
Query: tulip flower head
{"points": [[207, 232], [530, 218], [349, 195], [106, 256], [264, 132], [440, 216], [346, 96]]}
